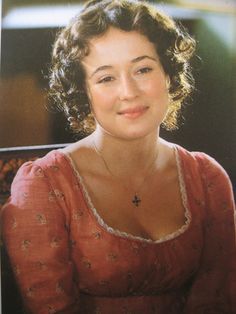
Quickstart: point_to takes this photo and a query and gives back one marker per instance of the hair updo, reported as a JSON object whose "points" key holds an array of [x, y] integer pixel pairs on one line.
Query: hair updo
{"points": [[173, 44]]}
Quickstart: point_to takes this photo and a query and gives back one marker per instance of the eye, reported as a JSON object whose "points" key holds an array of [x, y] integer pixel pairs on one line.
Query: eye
{"points": [[144, 70], [106, 79]]}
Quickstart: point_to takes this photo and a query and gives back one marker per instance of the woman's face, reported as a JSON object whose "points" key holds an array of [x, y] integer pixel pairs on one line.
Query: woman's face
{"points": [[126, 84]]}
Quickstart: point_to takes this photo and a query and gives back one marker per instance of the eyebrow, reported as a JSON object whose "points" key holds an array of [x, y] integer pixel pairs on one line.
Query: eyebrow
{"points": [[135, 60], [143, 57]]}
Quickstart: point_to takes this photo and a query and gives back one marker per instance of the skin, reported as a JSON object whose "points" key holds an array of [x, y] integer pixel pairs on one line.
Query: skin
{"points": [[128, 92], [126, 84]]}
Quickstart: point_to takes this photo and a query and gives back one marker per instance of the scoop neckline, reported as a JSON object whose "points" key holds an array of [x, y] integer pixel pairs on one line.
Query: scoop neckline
{"points": [[118, 233]]}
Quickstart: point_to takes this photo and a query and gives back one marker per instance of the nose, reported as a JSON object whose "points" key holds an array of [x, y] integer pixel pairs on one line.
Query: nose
{"points": [[128, 88]]}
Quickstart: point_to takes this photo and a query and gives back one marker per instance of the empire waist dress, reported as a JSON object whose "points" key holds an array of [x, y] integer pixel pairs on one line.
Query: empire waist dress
{"points": [[66, 259]]}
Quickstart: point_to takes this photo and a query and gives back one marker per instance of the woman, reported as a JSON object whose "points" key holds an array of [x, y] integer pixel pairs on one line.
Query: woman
{"points": [[122, 221]]}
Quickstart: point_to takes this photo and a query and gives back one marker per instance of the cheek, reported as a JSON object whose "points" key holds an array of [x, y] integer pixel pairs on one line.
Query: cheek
{"points": [[155, 82], [157, 89], [101, 100]]}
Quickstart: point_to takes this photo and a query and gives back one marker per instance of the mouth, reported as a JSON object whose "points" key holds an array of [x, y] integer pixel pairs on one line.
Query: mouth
{"points": [[133, 113]]}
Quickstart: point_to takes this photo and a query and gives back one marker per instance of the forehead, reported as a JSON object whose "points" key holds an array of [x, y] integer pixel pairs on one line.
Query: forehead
{"points": [[119, 44]]}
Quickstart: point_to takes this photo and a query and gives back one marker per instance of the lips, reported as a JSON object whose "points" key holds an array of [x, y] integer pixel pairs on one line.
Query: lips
{"points": [[133, 112]]}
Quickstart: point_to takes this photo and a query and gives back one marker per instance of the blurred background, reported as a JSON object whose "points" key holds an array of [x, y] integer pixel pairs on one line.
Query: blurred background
{"points": [[28, 31]]}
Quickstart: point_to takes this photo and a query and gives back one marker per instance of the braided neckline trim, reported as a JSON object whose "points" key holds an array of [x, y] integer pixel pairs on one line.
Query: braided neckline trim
{"points": [[102, 223]]}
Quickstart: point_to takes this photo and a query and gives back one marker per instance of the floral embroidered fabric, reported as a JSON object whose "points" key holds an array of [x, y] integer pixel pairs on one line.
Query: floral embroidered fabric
{"points": [[67, 260]]}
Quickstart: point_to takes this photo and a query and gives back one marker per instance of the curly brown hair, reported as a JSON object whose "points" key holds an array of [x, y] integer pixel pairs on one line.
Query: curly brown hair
{"points": [[173, 44]]}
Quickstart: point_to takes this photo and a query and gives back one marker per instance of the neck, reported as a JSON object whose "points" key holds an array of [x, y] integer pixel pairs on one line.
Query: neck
{"points": [[127, 157]]}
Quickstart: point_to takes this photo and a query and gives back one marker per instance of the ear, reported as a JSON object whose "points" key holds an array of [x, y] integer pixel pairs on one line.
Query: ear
{"points": [[167, 82], [88, 94]]}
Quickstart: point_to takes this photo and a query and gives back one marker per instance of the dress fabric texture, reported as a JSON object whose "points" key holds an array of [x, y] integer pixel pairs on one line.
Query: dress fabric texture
{"points": [[66, 259]]}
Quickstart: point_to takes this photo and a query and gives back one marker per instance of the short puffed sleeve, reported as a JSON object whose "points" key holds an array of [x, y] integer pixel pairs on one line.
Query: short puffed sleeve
{"points": [[214, 286], [36, 238]]}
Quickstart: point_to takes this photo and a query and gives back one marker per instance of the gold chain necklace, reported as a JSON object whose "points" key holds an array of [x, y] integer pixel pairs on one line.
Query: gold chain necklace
{"points": [[136, 199]]}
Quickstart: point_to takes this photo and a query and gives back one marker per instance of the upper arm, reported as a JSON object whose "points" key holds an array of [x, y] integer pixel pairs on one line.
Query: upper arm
{"points": [[214, 285], [37, 242], [217, 183]]}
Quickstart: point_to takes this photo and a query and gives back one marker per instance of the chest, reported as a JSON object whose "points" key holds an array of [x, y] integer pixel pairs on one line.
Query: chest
{"points": [[159, 211], [109, 257], [114, 261]]}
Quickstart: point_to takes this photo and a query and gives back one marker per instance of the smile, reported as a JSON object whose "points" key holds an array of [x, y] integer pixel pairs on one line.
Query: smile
{"points": [[133, 113]]}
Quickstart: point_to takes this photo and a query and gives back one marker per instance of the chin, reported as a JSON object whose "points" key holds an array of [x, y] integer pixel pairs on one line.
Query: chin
{"points": [[131, 132], [137, 134]]}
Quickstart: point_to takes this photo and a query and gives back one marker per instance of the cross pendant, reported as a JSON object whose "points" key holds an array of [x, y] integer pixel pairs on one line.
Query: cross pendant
{"points": [[136, 200]]}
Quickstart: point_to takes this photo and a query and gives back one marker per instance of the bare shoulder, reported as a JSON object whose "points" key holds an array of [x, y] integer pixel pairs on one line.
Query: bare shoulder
{"points": [[82, 154], [167, 157], [77, 146]]}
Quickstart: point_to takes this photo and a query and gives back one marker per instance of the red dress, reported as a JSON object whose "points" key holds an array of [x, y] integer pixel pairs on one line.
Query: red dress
{"points": [[67, 260]]}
